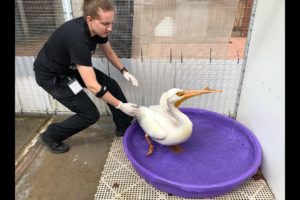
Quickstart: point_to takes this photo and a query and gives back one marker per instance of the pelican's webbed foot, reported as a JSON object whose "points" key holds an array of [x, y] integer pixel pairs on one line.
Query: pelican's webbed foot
{"points": [[151, 147]]}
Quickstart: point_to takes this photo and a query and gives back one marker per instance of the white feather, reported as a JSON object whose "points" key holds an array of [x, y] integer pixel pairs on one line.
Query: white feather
{"points": [[165, 123]]}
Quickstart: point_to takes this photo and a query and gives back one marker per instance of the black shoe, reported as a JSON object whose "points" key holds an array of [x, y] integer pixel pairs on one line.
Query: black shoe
{"points": [[54, 146], [120, 132]]}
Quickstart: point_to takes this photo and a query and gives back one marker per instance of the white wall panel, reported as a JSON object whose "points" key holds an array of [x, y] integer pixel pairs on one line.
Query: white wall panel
{"points": [[262, 104], [32, 98]]}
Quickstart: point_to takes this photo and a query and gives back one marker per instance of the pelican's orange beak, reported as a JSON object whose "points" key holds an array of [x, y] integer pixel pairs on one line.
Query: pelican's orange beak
{"points": [[186, 94]]}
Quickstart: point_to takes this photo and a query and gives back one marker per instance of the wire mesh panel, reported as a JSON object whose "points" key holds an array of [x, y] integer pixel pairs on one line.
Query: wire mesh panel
{"points": [[187, 44], [217, 74], [185, 26], [30, 96], [121, 38], [155, 77], [35, 20]]}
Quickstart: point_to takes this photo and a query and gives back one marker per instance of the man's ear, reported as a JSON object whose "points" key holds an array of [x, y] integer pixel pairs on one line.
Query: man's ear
{"points": [[88, 19]]}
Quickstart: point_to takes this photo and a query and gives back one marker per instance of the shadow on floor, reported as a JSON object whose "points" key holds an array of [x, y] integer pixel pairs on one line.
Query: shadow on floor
{"points": [[75, 174]]}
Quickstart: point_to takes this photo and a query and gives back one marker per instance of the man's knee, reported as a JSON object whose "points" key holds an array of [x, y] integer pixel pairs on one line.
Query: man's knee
{"points": [[92, 117]]}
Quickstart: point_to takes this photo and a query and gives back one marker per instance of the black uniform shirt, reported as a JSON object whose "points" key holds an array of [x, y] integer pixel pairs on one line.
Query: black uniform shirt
{"points": [[70, 44]]}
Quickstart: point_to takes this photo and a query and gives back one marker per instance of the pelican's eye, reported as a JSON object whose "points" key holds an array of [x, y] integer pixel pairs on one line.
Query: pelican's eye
{"points": [[179, 93]]}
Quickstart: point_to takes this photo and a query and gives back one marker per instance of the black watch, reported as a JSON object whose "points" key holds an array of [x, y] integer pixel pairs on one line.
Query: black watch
{"points": [[123, 69]]}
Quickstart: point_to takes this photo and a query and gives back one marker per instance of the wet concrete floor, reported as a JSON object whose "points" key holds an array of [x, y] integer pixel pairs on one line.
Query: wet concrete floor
{"points": [[41, 175]]}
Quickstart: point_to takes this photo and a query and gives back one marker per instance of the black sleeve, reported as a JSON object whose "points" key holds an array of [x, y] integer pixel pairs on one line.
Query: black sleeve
{"points": [[80, 54], [101, 40]]}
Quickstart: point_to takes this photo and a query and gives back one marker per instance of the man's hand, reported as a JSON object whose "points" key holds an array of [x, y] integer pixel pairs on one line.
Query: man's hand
{"points": [[129, 76], [128, 108]]}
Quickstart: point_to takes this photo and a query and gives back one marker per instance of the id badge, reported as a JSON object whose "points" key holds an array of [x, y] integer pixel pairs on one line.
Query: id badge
{"points": [[75, 86]]}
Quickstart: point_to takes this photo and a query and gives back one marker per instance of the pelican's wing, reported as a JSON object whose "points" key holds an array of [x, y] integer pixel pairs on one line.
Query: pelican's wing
{"points": [[150, 121]]}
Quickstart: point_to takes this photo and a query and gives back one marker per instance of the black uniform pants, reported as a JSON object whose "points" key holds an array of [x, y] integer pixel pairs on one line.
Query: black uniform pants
{"points": [[86, 111]]}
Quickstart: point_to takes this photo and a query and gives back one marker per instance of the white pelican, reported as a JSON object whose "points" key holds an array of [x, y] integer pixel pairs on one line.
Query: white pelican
{"points": [[165, 123]]}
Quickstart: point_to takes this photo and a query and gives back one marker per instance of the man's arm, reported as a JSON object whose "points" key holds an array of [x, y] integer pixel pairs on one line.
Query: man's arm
{"points": [[89, 78], [114, 59], [111, 55]]}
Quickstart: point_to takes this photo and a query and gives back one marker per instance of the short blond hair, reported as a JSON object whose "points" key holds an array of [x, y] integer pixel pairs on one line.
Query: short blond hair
{"points": [[91, 7]]}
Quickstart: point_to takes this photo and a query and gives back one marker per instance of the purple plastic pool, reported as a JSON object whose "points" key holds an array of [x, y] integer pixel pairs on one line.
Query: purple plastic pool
{"points": [[219, 156]]}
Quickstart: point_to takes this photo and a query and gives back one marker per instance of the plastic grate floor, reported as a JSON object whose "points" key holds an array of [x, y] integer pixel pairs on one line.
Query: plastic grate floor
{"points": [[120, 181]]}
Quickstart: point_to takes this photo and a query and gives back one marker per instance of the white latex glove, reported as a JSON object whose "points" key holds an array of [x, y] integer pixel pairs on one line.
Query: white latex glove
{"points": [[129, 76], [128, 108]]}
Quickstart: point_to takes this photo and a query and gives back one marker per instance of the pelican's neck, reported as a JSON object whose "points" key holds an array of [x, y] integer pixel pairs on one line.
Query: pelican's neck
{"points": [[177, 114]]}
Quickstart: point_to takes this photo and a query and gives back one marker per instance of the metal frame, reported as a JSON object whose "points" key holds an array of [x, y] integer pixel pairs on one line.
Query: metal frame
{"points": [[245, 59]]}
